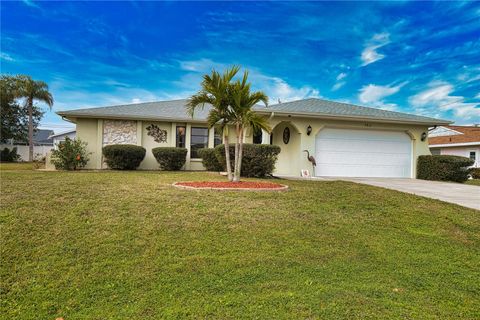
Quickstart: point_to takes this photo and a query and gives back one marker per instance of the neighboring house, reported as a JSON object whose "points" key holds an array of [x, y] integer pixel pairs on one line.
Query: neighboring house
{"points": [[456, 140], [346, 140], [60, 137], [42, 144]]}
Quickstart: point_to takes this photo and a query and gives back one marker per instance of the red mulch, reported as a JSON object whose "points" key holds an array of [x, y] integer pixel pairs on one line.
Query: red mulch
{"points": [[228, 184]]}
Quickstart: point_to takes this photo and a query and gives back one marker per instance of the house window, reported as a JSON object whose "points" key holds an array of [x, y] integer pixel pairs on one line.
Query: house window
{"points": [[199, 140], [435, 152], [257, 136], [217, 138], [473, 155], [180, 141]]}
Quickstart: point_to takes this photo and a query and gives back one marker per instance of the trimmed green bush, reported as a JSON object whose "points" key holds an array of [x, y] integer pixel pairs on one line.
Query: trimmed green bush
{"points": [[7, 155], [475, 172], [123, 156], [210, 160], [70, 154], [444, 168], [258, 159], [170, 158]]}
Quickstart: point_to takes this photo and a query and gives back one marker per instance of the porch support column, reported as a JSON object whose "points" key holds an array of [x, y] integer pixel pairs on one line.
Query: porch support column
{"points": [[139, 133], [99, 155], [265, 137], [188, 131], [211, 137], [173, 135]]}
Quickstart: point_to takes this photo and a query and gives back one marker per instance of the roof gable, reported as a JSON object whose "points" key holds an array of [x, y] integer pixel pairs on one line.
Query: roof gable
{"points": [[443, 131], [467, 134]]}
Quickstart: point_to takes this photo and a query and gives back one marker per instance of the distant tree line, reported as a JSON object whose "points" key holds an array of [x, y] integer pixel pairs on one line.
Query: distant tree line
{"points": [[20, 115]]}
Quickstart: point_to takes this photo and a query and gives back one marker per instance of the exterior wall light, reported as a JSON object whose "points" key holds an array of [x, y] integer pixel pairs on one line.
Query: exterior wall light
{"points": [[309, 130], [424, 136]]}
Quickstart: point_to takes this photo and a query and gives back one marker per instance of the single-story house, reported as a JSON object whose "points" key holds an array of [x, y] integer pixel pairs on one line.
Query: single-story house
{"points": [[42, 144], [345, 139], [457, 141], [60, 137]]}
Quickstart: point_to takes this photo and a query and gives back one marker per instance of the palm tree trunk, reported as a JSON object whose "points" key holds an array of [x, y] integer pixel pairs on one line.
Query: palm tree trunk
{"points": [[30, 129], [236, 175], [227, 158]]}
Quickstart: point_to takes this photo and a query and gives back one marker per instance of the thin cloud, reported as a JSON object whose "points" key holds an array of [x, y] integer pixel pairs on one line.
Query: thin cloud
{"points": [[374, 95], [275, 87], [30, 3], [341, 75], [369, 54], [438, 99], [340, 83], [6, 57], [279, 89], [201, 65]]}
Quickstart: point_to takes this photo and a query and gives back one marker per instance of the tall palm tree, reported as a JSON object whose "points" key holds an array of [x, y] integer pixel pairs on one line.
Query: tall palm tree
{"points": [[243, 117], [215, 91], [32, 90]]}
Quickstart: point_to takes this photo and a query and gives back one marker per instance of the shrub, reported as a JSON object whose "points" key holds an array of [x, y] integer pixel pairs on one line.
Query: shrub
{"points": [[123, 156], [170, 158], [475, 172], [210, 160], [39, 162], [443, 168], [258, 159], [70, 155], [7, 155]]}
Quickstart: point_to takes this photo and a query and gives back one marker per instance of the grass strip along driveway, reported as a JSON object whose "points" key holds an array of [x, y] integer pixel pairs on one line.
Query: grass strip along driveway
{"points": [[105, 245]]}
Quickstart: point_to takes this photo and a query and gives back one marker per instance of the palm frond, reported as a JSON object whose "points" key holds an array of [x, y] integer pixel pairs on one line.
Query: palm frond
{"points": [[26, 87], [214, 91], [198, 100], [214, 118], [256, 121], [230, 73]]}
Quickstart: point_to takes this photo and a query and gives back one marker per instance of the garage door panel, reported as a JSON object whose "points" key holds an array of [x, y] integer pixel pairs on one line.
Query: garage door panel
{"points": [[364, 158], [364, 170], [361, 134], [355, 146], [363, 153]]}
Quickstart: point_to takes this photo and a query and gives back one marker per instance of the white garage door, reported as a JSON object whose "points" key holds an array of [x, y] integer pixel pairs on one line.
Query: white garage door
{"points": [[363, 153]]}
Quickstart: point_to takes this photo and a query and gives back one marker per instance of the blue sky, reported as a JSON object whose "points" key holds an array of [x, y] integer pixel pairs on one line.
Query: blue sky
{"points": [[417, 57]]}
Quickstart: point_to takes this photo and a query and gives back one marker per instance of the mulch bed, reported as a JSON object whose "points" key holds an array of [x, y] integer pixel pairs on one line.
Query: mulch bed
{"points": [[227, 185]]}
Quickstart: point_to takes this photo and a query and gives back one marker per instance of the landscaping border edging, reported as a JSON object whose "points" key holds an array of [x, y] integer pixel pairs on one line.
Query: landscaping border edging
{"points": [[282, 187]]}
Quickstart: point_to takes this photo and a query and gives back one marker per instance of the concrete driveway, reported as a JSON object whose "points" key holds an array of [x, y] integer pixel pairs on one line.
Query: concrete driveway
{"points": [[462, 194]]}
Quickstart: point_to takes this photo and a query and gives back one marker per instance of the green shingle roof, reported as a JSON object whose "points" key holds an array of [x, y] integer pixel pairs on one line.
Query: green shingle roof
{"points": [[320, 107], [175, 110]]}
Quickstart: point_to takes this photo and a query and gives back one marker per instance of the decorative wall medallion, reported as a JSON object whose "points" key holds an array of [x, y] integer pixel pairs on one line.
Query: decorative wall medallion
{"points": [[159, 135], [286, 135], [119, 132]]}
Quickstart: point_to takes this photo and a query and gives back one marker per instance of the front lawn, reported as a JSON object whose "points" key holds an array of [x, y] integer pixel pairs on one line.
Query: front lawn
{"points": [[127, 245], [473, 182], [16, 166]]}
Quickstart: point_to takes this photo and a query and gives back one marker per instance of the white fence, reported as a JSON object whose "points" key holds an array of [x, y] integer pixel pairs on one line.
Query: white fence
{"points": [[38, 151]]}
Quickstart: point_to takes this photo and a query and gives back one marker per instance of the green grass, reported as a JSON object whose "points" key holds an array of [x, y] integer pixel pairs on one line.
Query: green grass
{"points": [[127, 245], [473, 182], [21, 165], [16, 166]]}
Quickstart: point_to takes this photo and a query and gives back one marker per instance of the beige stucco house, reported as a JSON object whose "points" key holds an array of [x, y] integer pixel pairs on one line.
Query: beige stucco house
{"points": [[345, 139]]}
